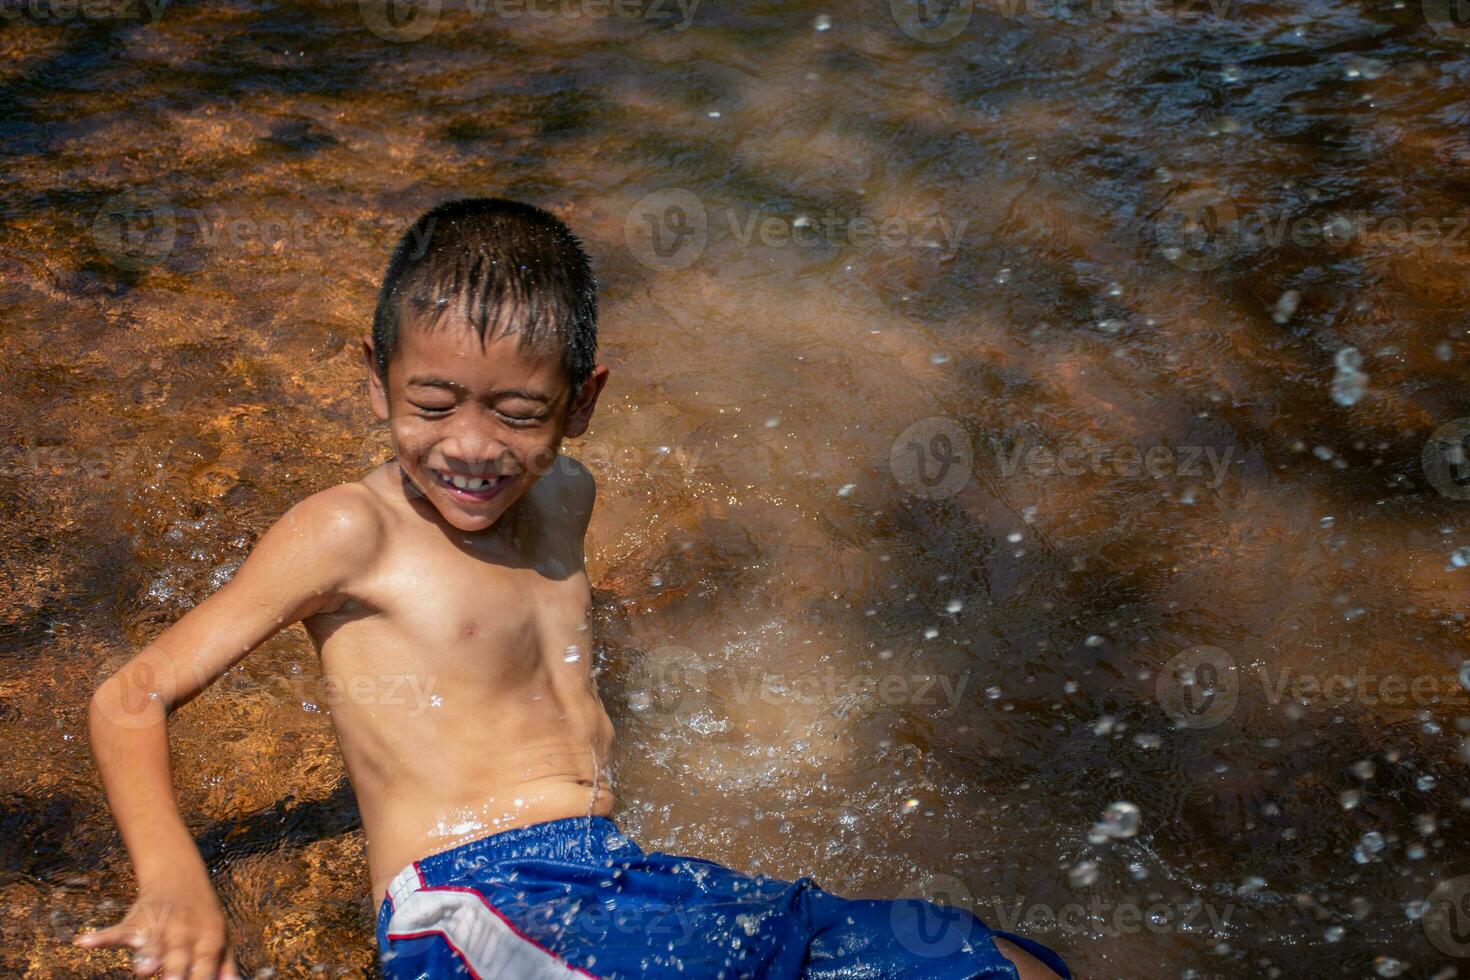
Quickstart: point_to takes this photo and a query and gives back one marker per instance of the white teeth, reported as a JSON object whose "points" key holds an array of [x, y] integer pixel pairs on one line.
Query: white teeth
{"points": [[469, 482]]}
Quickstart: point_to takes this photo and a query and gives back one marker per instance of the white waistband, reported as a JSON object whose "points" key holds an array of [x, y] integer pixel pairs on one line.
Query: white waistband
{"points": [[404, 884]]}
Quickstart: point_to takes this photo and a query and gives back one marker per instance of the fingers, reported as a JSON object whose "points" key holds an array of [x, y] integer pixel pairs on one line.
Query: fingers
{"points": [[176, 962], [147, 962], [207, 956], [231, 969], [122, 934]]}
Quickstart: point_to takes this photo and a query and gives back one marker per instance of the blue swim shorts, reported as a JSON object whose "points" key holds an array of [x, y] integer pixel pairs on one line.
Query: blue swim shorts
{"points": [[575, 898]]}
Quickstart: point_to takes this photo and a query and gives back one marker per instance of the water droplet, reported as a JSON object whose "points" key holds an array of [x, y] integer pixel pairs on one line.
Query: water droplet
{"points": [[1144, 740], [1286, 305], [1460, 557], [1083, 874], [1364, 769], [955, 605], [846, 489], [1348, 383], [1250, 885], [1369, 846], [1387, 966], [1120, 820], [822, 23], [572, 655]]}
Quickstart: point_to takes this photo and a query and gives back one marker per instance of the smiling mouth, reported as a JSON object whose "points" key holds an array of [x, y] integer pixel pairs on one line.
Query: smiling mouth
{"points": [[476, 488]]}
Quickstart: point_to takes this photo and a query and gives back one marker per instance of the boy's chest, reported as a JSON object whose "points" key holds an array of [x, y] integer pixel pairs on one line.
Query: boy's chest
{"points": [[461, 606]]}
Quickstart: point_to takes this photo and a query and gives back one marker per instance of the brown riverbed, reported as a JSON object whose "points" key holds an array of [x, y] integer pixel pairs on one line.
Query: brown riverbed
{"points": [[904, 526]]}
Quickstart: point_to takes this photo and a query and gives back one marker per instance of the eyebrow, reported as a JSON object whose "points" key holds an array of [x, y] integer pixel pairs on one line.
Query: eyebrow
{"points": [[429, 382]]}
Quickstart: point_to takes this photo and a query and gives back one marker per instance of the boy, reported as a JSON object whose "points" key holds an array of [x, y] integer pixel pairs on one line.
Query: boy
{"points": [[459, 564]]}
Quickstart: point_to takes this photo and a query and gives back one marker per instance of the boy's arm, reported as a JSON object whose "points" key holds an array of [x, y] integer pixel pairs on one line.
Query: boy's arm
{"points": [[300, 567]]}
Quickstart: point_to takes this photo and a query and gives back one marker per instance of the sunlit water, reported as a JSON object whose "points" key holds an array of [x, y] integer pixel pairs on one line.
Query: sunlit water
{"points": [[908, 533]]}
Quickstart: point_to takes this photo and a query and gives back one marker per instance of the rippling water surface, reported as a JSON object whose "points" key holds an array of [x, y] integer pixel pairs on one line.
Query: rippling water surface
{"points": [[982, 447]]}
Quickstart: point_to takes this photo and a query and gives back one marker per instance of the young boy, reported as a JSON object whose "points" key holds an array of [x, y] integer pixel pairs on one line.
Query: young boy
{"points": [[458, 564]]}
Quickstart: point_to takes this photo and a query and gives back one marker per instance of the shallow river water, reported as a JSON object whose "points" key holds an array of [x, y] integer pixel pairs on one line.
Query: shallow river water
{"points": [[1016, 409]]}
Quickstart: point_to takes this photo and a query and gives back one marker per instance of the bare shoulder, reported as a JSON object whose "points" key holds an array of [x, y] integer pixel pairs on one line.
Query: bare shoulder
{"points": [[347, 519], [340, 514]]}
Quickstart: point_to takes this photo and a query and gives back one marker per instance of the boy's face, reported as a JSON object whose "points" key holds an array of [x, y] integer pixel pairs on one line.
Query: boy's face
{"points": [[475, 426]]}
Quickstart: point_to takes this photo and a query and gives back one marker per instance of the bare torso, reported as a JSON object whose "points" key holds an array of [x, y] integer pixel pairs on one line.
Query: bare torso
{"points": [[459, 676]]}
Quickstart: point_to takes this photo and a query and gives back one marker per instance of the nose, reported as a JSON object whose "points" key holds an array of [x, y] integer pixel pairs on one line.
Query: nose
{"points": [[471, 447]]}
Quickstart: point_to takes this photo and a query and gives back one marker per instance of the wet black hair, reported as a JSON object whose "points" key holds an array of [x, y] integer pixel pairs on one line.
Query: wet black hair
{"points": [[503, 266]]}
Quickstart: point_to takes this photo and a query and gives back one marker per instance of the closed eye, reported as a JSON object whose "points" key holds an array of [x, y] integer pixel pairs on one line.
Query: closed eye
{"points": [[432, 410]]}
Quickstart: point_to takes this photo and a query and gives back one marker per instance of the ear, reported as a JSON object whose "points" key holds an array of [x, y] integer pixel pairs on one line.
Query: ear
{"points": [[579, 412], [377, 384]]}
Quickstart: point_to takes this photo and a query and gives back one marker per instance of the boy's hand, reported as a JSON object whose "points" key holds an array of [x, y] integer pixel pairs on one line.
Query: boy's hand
{"points": [[179, 930]]}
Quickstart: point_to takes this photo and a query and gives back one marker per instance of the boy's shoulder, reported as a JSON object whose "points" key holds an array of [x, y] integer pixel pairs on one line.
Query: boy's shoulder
{"points": [[348, 515]]}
